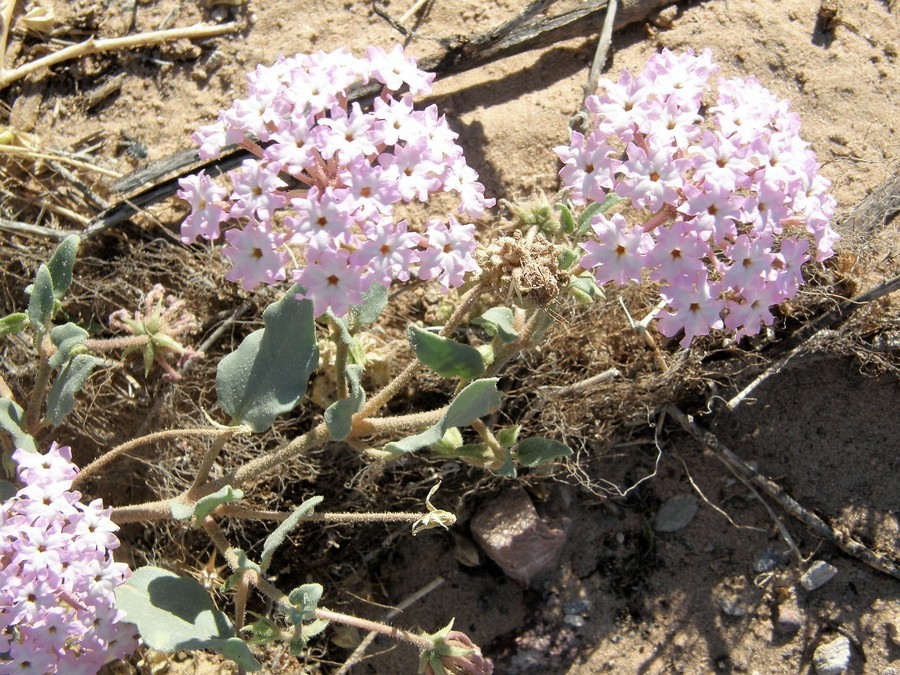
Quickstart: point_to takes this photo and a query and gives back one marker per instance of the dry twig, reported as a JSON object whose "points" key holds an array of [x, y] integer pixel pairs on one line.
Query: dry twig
{"points": [[747, 473], [95, 46], [806, 335]]}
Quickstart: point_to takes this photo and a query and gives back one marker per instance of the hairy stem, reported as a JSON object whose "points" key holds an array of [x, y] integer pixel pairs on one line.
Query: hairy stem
{"points": [[237, 511], [374, 404], [116, 343], [39, 393], [207, 463], [155, 437], [271, 591]]}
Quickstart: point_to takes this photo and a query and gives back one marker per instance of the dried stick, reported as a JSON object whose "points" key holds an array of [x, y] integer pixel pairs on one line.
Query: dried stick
{"points": [[806, 335], [94, 46], [603, 47], [6, 13], [17, 227], [741, 468]]}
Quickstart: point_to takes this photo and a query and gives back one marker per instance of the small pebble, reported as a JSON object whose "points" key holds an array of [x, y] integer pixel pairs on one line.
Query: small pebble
{"points": [[832, 658], [675, 514], [732, 608], [574, 620], [790, 617], [767, 561], [576, 607], [894, 631], [818, 574]]}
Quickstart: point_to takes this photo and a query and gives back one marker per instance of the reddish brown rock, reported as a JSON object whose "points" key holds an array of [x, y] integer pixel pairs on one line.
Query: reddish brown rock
{"points": [[514, 536]]}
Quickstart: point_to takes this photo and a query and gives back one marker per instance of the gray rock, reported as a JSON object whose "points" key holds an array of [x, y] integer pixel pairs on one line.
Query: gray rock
{"points": [[675, 514], [818, 574], [574, 620], [832, 658], [512, 534], [767, 561], [732, 607]]}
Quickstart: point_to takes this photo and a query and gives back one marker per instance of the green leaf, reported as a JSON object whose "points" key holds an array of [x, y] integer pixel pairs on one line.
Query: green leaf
{"points": [[339, 415], [262, 630], [498, 322], [584, 220], [268, 373], [305, 598], [538, 450], [40, 305], [567, 259], [13, 323], [69, 382], [313, 628], [7, 490], [61, 264], [444, 356], [205, 505], [274, 540], [356, 352], [585, 289], [66, 338], [508, 469], [11, 418], [476, 400], [566, 221], [508, 436], [374, 301], [173, 613], [449, 442]]}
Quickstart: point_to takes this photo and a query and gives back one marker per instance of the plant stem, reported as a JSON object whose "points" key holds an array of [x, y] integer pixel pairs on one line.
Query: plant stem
{"points": [[489, 440], [155, 437], [391, 425], [374, 627], [340, 360], [374, 404], [39, 393], [207, 463], [279, 598], [506, 352], [116, 343], [237, 511], [134, 513]]}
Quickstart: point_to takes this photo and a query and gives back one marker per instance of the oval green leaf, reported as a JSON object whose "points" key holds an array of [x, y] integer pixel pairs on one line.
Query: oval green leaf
{"points": [[66, 338], [205, 505], [446, 357], [13, 323], [538, 450], [40, 305], [174, 613], [61, 264], [339, 415], [476, 400], [69, 382], [267, 374], [274, 540], [11, 418], [498, 322]]}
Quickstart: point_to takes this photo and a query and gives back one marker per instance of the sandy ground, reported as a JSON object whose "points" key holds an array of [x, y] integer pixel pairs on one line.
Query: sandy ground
{"points": [[623, 599]]}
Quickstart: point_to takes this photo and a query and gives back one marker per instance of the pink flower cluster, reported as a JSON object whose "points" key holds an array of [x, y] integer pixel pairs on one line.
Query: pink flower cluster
{"points": [[728, 196], [318, 195], [57, 575]]}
